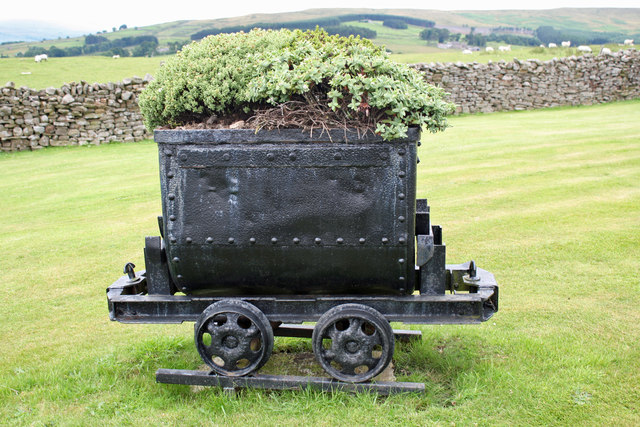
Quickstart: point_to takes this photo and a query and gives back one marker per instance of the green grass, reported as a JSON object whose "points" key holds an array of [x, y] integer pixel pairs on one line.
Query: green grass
{"points": [[58, 71], [548, 200]]}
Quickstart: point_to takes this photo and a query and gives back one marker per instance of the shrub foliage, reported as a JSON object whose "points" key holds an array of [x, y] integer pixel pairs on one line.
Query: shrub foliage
{"points": [[243, 72]]}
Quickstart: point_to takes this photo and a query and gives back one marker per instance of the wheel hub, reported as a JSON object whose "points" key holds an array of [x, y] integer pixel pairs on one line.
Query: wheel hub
{"points": [[352, 347], [230, 341]]}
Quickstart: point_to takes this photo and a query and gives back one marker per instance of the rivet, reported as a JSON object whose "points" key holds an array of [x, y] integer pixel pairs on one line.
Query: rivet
{"points": [[172, 217], [270, 157], [171, 196], [340, 240], [385, 240], [226, 157], [179, 276], [402, 240], [401, 261], [176, 259], [401, 289], [189, 240], [402, 174], [184, 288], [183, 157], [274, 240], [212, 189], [292, 156], [337, 156], [209, 240], [170, 175], [252, 240], [402, 151], [401, 218], [296, 240], [401, 278], [173, 239], [231, 240], [362, 240], [317, 240], [168, 153], [401, 196]]}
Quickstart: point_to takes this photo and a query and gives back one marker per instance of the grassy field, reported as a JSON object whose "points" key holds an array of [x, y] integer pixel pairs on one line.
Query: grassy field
{"points": [[58, 71], [101, 69], [549, 201]]}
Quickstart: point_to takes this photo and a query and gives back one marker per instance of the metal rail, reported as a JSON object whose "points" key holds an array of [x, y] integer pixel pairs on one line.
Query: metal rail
{"points": [[282, 382]]}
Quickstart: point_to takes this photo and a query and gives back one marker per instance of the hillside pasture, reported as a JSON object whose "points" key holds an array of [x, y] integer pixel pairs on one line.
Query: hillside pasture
{"points": [[548, 200], [58, 71]]}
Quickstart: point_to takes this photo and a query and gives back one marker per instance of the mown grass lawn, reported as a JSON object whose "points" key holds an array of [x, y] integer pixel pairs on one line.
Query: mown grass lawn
{"points": [[549, 201]]}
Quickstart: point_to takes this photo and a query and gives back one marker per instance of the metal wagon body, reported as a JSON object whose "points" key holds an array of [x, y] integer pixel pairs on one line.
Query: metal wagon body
{"points": [[277, 227]]}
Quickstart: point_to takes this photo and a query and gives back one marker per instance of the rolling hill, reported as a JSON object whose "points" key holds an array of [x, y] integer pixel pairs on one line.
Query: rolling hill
{"points": [[625, 21]]}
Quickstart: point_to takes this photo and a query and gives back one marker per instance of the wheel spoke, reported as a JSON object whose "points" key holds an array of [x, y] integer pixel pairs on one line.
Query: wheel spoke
{"points": [[251, 332], [355, 324]]}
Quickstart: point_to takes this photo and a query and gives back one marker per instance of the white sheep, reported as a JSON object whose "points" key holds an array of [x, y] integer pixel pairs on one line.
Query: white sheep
{"points": [[116, 56], [552, 45], [488, 49], [466, 52], [628, 42], [584, 49], [605, 51], [40, 58], [566, 44], [504, 48]]}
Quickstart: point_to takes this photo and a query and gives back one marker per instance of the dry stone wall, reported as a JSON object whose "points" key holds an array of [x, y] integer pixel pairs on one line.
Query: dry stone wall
{"points": [[524, 85], [75, 114], [81, 113]]}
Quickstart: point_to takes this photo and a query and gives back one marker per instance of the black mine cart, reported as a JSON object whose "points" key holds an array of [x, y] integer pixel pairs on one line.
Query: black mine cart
{"points": [[261, 231]]}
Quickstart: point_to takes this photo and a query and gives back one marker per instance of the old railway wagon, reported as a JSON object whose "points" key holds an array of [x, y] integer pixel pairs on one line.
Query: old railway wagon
{"points": [[260, 230]]}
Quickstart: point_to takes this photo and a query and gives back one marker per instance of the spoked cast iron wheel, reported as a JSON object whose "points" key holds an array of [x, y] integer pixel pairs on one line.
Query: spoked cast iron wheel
{"points": [[353, 342], [233, 337]]}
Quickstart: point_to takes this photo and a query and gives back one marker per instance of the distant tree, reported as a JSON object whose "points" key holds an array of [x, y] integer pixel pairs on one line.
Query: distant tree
{"points": [[435, 34], [35, 50], [548, 34], [73, 51], [398, 24], [118, 51], [123, 27], [91, 39], [145, 49], [113, 29], [443, 35], [476, 40], [56, 52], [429, 34]]}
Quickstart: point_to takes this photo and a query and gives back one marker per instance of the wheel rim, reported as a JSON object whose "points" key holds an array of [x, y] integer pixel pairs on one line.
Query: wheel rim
{"points": [[233, 337], [353, 342]]}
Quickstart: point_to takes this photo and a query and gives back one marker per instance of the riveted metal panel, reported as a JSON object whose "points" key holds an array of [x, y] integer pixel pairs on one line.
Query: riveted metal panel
{"points": [[312, 217]]}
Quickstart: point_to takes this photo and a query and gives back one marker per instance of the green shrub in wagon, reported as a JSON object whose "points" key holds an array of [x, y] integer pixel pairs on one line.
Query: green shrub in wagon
{"points": [[285, 79]]}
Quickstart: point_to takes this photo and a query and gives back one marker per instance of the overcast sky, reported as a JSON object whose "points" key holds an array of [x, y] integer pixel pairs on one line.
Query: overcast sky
{"points": [[96, 16]]}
